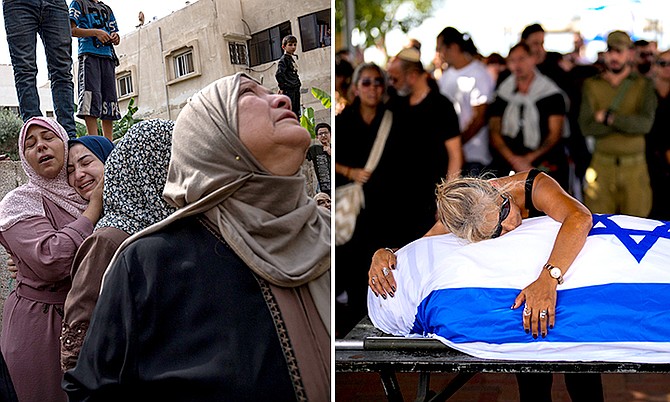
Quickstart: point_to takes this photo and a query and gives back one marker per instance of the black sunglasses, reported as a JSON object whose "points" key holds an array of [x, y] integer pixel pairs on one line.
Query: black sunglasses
{"points": [[504, 213], [662, 63], [366, 82]]}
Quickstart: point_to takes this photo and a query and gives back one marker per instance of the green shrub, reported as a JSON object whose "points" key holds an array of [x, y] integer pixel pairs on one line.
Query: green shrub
{"points": [[10, 128]]}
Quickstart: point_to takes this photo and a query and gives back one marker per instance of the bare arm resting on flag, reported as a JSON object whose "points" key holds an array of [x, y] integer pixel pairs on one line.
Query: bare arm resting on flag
{"points": [[476, 210]]}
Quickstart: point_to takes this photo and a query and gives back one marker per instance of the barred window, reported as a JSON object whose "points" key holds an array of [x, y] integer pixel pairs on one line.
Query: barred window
{"points": [[183, 64], [238, 53], [124, 85]]}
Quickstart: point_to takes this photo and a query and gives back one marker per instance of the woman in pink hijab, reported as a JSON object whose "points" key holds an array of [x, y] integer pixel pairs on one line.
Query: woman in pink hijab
{"points": [[42, 223]]}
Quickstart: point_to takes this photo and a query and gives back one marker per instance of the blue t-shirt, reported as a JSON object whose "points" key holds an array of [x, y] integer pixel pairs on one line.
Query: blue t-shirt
{"points": [[87, 14]]}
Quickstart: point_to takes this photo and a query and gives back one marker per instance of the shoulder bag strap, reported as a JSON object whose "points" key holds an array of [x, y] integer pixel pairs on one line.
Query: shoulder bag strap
{"points": [[620, 94], [380, 141]]}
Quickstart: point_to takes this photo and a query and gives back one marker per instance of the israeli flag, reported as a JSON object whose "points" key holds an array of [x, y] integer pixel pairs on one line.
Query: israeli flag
{"points": [[613, 306]]}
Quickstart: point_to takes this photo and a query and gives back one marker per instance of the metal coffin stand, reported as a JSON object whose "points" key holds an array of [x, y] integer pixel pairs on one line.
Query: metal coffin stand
{"points": [[367, 349]]}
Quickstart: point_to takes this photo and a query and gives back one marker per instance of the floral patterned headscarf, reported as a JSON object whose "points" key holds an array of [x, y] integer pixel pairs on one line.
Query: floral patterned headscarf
{"points": [[135, 174]]}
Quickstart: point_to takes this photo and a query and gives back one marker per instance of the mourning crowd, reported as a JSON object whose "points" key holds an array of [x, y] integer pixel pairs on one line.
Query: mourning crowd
{"points": [[600, 130], [187, 261]]}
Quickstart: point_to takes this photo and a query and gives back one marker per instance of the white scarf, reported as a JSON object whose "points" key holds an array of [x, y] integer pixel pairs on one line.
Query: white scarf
{"points": [[540, 88]]}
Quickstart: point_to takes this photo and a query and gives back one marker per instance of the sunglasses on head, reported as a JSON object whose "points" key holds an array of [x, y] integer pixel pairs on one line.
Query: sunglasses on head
{"points": [[663, 63], [504, 213], [366, 82]]}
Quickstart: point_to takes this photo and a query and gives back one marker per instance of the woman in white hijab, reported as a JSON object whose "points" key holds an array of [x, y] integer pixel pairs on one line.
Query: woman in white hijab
{"points": [[228, 298]]}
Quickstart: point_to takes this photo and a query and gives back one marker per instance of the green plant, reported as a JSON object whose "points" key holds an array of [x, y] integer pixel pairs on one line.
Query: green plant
{"points": [[307, 121], [307, 118], [321, 95], [10, 128], [121, 127]]}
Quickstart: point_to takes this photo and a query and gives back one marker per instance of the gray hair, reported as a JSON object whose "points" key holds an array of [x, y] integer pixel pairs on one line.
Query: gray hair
{"points": [[464, 204]]}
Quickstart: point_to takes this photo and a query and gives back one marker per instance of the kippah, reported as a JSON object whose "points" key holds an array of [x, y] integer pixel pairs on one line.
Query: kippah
{"points": [[410, 54]]}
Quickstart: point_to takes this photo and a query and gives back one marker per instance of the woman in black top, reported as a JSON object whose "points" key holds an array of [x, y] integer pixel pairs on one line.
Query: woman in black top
{"points": [[476, 209], [357, 128]]}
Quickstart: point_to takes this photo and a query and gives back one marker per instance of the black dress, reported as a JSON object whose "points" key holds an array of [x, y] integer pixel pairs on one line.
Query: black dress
{"points": [[182, 318], [400, 194], [7, 392], [354, 139]]}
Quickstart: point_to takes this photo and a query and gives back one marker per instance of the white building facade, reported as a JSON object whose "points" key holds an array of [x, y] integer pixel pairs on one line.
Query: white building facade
{"points": [[9, 99], [163, 63]]}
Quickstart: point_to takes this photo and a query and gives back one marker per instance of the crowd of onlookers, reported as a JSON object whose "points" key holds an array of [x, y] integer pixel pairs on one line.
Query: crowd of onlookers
{"points": [[227, 295], [600, 129]]}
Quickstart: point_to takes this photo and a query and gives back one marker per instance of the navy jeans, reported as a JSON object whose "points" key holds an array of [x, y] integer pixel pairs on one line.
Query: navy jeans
{"points": [[24, 19]]}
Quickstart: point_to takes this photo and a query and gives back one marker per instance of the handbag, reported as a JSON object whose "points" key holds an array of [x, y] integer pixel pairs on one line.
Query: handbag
{"points": [[349, 198]]}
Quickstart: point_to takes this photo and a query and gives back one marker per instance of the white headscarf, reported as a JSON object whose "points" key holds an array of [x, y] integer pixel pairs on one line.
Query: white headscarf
{"points": [[27, 200], [269, 221]]}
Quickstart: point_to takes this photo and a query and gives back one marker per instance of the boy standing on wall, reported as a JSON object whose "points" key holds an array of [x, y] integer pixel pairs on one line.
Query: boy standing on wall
{"points": [[94, 24], [287, 73]]}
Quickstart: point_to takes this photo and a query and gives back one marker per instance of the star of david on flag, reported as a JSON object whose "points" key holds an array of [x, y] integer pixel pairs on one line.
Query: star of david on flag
{"points": [[637, 241]]}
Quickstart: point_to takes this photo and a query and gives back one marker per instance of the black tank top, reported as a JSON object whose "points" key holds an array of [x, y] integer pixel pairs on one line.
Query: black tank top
{"points": [[530, 180]]}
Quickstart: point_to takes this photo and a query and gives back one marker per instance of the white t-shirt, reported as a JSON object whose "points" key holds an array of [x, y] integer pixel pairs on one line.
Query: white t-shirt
{"points": [[467, 87]]}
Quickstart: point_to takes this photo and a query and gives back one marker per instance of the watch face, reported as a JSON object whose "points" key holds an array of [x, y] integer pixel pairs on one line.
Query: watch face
{"points": [[555, 273]]}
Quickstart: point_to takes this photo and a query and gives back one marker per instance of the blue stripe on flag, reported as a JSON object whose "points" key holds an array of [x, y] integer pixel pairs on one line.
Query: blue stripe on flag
{"points": [[621, 312]]}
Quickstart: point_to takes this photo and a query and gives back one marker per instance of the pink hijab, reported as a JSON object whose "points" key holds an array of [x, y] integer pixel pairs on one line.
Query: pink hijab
{"points": [[27, 200]]}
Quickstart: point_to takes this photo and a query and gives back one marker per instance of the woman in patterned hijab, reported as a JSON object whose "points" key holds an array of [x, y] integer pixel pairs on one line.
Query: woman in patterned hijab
{"points": [[135, 174]]}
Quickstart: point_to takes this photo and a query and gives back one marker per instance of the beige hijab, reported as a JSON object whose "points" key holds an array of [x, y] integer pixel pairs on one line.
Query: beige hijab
{"points": [[269, 221]]}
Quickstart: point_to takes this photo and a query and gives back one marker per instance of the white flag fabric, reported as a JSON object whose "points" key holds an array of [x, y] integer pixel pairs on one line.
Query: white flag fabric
{"points": [[613, 306]]}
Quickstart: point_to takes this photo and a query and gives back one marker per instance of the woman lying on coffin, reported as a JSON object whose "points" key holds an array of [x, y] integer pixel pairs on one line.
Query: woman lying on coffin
{"points": [[476, 209]]}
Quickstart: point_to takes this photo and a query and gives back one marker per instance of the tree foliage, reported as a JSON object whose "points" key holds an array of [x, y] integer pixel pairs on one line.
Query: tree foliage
{"points": [[307, 119], [10, 128], [382, 16]]}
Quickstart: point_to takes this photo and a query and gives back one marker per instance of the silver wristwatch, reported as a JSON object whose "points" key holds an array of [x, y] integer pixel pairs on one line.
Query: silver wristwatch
{"points": [[554, 272]]}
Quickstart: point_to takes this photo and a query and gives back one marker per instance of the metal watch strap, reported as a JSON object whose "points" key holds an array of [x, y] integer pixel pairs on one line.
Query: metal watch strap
{"points": [[550, 267]]}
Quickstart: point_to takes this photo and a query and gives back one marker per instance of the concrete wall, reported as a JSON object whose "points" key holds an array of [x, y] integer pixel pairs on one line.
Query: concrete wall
{"points": [[315, 65], [208, 26]]}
